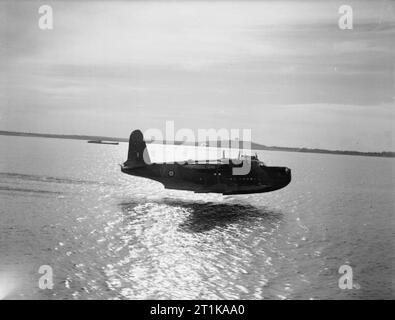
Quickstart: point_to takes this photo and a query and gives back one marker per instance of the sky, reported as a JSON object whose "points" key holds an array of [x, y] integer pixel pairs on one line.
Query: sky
{"points": [[283, 69]]}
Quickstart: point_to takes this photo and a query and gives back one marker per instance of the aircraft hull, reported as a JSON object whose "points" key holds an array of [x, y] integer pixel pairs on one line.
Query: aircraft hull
{"points": [[214, 178], [219, 176]]}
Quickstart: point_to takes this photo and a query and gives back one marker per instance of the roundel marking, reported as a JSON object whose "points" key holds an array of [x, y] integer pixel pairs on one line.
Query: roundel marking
{"points": [[171, 173]]}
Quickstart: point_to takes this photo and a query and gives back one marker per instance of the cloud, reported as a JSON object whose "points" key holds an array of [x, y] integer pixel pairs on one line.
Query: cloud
{"points": [[232, 59]]}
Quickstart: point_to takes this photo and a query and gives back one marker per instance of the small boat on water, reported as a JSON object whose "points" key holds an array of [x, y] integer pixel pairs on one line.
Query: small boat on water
{"points": [[103, 142]]}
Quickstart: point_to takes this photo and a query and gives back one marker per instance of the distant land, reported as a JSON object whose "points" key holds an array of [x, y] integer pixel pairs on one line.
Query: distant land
{"points": [[254, 146]]}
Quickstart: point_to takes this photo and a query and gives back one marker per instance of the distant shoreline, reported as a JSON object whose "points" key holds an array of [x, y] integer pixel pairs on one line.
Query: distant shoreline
{"points": [[254, 146]]}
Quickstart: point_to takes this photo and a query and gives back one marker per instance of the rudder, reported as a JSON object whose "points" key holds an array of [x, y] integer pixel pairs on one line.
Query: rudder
{"points": [[138, 152]]}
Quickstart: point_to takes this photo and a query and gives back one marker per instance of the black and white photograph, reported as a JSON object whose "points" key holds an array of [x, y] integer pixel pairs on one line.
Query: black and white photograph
{"points": [[220, 151]]}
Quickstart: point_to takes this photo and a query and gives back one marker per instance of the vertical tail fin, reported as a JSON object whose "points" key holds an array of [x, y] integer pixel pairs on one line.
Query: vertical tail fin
{"points": [[138, 153]]}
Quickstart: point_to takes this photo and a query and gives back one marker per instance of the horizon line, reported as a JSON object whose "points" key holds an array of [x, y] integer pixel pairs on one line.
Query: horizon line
{"points": [[254, 145]]}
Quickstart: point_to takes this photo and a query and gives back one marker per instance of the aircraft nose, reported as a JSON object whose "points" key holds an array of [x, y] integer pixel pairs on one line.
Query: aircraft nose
{"points": [[288, 172], [285, 174], [281, 176]]}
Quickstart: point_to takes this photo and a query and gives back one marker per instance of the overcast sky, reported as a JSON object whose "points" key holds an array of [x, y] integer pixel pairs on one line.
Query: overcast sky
{"points": [[281, 68]]}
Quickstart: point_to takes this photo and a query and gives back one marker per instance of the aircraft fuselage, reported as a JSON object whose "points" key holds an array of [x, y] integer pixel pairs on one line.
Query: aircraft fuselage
{"points": [[216, 178]]}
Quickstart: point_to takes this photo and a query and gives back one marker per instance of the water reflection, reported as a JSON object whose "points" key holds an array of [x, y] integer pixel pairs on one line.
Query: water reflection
{"points": [[192, 249], [205, 216]]}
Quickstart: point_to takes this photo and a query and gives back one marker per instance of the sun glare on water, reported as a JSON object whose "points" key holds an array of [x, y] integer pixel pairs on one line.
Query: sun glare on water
{"points": [[8, 284]]}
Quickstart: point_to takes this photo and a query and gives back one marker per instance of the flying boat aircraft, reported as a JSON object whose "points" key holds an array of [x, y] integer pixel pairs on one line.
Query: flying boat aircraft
{"points": [[226, 176]]}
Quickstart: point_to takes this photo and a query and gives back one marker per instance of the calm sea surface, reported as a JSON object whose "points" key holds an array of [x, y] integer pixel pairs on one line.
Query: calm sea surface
{"points": [[106, 235]]}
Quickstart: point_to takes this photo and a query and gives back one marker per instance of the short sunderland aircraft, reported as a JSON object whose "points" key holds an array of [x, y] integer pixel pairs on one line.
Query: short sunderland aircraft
{"points": [[226, 176]]}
